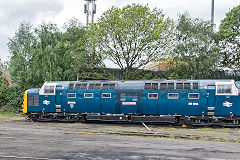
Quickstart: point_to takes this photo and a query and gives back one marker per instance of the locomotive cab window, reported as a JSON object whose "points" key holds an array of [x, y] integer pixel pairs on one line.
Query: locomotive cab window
{"points": [[106, 95], [226, 88], [172, 95], [152, 95], [71, 95], [88, 95], [193, 96]]}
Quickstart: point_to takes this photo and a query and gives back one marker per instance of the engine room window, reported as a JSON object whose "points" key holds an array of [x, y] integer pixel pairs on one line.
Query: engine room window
{"points": [[49, 89], [195, 85], [163, 86], [152, 95], [105, 86], [98, 86], [71, 95], [186, 86], [193, 96], [78, 86], [106, 95], [170, 85], [91, 86], [147, 85], [172, 95], [155, 86], [88, 95], [71, 86], [224, 89], [179, 86], [84, 86], [111, 86]]}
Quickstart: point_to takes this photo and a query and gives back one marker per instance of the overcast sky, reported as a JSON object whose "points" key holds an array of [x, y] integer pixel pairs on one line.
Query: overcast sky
{"points": [[13, 12]]}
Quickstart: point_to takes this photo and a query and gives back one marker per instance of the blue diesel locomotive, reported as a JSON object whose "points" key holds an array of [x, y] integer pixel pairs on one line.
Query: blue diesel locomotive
{"points": [[195, 102]]}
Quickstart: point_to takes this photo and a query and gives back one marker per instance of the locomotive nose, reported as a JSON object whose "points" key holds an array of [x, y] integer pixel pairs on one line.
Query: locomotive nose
{"points": [[24, 105]]}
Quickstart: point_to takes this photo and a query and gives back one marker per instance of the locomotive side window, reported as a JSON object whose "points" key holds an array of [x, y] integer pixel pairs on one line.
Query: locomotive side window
{"points": [[172, 95], [84, 86], [186, 86], [155, 86], [70, 87], [111, 86], [170, 85], [78, 86], [195, 85], [71, 95], [163, 86], [193, 96], [106, 95], [147, 85], [179, 86], [152, 95], [49, 89], [88, 95], [105, 86], [91, 86], [224, 89], [98, 86]]}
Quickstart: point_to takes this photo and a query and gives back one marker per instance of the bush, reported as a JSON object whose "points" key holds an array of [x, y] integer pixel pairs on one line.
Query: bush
{"points": [[10, 97]]}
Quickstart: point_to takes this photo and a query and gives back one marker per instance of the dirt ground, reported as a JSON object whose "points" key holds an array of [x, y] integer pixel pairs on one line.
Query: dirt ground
{"points": [[22, 139]]}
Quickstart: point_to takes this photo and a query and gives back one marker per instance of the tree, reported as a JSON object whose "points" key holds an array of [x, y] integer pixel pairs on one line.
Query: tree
{"points": [[20, 47], [132, 36], [196, 52], [229, 34]]}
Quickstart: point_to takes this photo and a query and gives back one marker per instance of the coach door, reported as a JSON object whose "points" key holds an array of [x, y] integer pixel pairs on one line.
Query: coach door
{"points": [[58, 98], [211, 99], [129, 102]]}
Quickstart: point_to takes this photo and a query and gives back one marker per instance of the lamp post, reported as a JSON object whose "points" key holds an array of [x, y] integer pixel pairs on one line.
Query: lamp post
{"points": [[89, 11]]}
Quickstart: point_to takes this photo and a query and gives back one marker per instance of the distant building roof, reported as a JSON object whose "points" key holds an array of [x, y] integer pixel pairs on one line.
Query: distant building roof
{"points": [[160, 65]]}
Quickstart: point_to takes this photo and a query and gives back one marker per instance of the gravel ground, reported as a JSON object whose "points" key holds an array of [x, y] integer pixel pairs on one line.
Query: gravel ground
{"points": [[21, 139]]}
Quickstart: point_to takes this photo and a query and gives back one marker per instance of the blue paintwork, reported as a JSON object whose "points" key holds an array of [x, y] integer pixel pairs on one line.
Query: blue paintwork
{"points": [[131, 97]]}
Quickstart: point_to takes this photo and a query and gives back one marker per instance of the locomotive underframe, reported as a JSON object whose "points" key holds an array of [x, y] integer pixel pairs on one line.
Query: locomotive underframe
{"points": [[224, 121]]}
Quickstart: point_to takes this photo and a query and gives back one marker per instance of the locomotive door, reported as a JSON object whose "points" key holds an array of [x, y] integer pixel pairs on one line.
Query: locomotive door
{"points": [[58, 99], [211, 99], [129, 102]]}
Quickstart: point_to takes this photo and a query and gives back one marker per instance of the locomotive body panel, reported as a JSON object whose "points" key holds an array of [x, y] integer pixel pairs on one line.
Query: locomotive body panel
{"points": [[141, 98]]}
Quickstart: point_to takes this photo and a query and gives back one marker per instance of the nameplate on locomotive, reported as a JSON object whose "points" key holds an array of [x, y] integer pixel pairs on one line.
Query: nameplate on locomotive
{"points": [[129, 103]]}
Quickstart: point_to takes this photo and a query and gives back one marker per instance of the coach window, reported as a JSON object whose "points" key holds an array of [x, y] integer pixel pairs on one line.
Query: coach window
{"points": [[98, 86], [172, 95], [106, 95], [152, 95], [71, 95], [88, 95], [193, 96]]}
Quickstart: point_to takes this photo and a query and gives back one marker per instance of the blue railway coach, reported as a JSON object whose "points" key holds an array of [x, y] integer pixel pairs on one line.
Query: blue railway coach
{"points": [[195, 102]]}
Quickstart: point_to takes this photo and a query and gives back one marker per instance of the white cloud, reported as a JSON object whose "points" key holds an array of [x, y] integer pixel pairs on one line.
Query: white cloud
{"points": [[12, 12]]}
